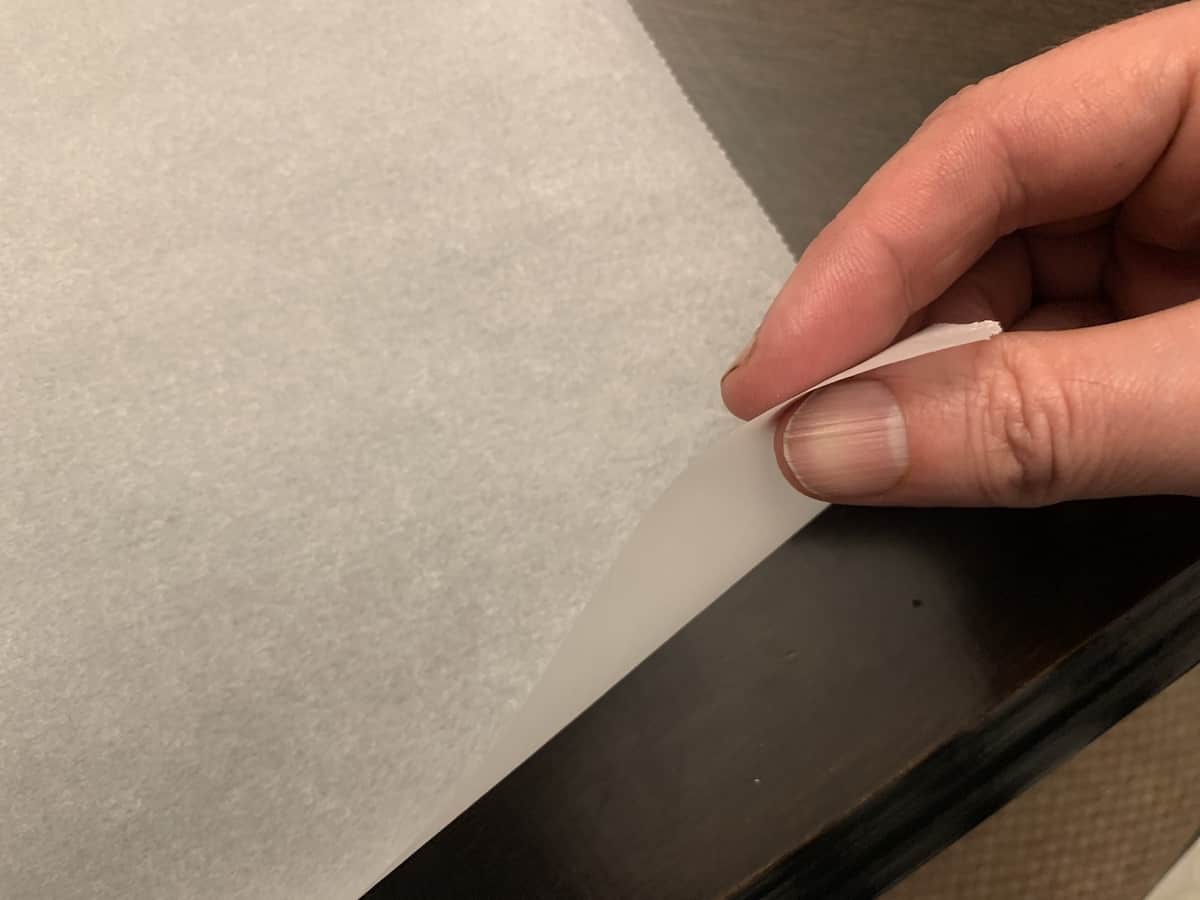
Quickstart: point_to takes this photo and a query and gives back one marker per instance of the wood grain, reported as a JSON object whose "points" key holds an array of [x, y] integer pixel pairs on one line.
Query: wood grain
{"points": [[791, 740]]}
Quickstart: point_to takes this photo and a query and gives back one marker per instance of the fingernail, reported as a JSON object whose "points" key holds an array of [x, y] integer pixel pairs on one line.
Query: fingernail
{"points": [[847, 441], [743, 356]]}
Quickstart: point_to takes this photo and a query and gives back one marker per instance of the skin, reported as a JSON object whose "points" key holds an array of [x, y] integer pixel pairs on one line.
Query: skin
{"points": [[1061, 197]]}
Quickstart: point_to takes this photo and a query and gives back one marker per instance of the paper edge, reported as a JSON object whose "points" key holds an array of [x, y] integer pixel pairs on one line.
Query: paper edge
{"points": [[933, 339]]}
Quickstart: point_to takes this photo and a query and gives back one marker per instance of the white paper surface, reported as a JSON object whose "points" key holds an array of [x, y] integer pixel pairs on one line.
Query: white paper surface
{"points": [[319, 323], [721, 517], [342, 344]]}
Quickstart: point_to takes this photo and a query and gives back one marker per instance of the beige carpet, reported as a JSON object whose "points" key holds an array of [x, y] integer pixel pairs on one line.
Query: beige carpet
{"points": [[1107, 825]]}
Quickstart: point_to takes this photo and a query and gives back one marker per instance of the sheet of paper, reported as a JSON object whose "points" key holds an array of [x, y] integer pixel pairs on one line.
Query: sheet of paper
{"points": [[322, 322], [724, 515], [342, 344]]}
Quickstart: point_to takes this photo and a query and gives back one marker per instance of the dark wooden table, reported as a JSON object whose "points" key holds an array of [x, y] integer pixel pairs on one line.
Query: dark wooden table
{"points": [[888, 678]]}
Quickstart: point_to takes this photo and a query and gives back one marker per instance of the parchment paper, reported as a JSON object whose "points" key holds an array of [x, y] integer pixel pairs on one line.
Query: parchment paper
{"points": [[341, 346], [723, 516]]}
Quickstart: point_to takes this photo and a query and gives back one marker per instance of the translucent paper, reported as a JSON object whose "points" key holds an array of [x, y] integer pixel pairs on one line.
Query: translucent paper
{"points": [[726, 513]]}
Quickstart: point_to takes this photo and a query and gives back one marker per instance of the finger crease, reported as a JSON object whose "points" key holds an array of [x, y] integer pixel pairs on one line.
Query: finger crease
{"points": [[907, 296]]}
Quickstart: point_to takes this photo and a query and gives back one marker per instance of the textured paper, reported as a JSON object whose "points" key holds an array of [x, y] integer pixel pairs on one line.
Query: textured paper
{"points": [[342, 344], [723, 516]]}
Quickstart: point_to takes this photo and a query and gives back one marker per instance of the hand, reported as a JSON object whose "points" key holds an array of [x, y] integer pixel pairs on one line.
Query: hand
{"points": [[1062, 198]]}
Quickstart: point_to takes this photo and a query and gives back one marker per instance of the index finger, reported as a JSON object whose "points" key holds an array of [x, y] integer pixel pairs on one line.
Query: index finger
{"points": [[1067, 134]]}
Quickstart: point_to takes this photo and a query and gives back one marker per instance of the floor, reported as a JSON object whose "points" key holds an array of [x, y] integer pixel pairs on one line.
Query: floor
{"points": [[1183, 883]]}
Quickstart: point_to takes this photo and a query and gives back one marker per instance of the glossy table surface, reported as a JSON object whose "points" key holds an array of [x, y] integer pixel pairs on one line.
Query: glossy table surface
{"points": [[888, 677]]}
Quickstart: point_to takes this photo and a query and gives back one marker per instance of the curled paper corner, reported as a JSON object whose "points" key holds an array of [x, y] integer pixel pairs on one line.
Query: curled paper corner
{"points": [[726, 513], [927, 340]]}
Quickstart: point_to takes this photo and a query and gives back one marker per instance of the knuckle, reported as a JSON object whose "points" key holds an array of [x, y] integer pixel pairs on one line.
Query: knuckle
{"points": [[978, 129], [968, 102], [884, 250], [960, 104], [1020, 429]]}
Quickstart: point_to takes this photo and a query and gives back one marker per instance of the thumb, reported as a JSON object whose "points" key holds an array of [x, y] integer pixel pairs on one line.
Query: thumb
{"points": [[1026, 419]]}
